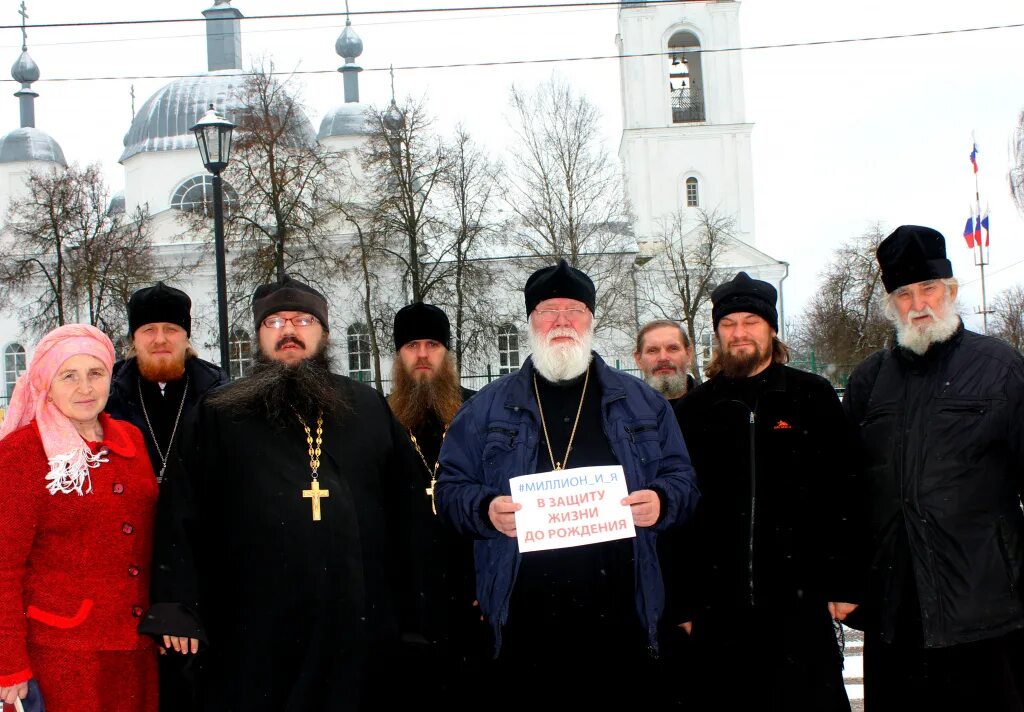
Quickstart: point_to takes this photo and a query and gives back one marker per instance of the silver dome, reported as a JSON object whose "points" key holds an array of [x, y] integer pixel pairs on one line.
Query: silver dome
{"points": [[30, 144], [25, 70], [348, 43], [345, 120], [163, 122], [116, 206]]}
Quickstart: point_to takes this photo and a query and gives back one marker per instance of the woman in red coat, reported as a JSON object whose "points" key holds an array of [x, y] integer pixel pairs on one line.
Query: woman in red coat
{"points": [[77, 498]]}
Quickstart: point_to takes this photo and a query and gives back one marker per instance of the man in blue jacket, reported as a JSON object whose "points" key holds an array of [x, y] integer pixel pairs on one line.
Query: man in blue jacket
{"points": [[584, 610]]}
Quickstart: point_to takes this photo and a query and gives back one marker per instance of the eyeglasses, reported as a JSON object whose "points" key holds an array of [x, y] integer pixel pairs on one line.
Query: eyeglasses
{"points": [[278, 322], [552, 314]]}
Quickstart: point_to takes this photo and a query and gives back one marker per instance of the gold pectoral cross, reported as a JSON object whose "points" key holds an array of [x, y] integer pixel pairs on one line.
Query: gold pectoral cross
{"points": [[430, 493], [315, 493]]}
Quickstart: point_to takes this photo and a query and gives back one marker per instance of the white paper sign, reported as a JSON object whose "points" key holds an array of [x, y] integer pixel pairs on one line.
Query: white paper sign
{"points": [[573, 507]]}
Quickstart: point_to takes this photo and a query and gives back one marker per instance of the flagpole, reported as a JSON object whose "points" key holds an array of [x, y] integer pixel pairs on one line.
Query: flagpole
{"points": [[980, 258]]}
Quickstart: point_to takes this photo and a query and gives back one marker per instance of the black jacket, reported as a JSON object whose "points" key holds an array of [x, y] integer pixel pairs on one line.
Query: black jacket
{"points": [[941, 439], [770, 530], [124, 404]]}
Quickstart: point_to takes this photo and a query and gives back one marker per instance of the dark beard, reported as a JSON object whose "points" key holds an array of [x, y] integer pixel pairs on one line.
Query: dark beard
{"points": [[277, 391], [412, 399], [743, 365]]}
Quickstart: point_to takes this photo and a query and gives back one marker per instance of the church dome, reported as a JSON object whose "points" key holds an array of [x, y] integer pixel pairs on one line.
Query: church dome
{"points": [[25, 70], [345, 120], [30, 144], [348, 43], [163, 122]]}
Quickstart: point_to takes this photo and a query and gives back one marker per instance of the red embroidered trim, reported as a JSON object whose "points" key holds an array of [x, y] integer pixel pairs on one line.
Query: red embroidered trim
{"points": [[16, 677], [52, 619]]}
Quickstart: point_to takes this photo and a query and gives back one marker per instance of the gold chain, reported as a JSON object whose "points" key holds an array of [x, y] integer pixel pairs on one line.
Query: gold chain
{"points": [[431, 472], [551, 454], [314, 452]]}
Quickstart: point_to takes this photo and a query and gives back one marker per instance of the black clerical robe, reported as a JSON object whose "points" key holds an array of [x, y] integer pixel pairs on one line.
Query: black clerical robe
{"points": [[298, 614]]}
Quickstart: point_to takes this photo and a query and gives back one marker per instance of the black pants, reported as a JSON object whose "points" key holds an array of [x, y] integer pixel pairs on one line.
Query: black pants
{"points": [[986, 675]]}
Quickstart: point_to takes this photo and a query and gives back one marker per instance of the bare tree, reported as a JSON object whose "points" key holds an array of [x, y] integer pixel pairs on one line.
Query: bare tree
{"points": [[845, 319], [1009, 316], [404, 161], [678, 282], [279, 192], [470, 188], [565, 191], [1016, 174], [70, 258]]}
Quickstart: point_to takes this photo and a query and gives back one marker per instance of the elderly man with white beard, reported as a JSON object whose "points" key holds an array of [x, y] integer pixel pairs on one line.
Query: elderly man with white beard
{"points": [[940, 420], [584, 609]]}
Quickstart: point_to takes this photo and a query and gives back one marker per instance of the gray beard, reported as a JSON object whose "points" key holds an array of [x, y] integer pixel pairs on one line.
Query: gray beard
{"points": [[670, 386], [561, 362], [919, 339]]}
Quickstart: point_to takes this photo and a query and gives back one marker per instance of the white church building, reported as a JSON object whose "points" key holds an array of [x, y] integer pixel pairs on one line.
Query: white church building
{"points": [[685, 145]]}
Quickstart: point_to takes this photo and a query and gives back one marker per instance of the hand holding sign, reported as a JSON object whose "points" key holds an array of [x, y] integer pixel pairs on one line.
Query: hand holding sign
{"points": [[501, 512], [581, 505]]}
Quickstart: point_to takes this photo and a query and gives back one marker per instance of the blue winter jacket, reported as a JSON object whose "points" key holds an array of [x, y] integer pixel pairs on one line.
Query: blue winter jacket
{"points": [[495, 436]]}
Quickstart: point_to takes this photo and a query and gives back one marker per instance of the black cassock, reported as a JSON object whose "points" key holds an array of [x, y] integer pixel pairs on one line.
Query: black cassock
{"points": [[299, 614]]}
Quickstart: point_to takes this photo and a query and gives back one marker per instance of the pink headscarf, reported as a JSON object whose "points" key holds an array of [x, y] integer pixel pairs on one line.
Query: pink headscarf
{"points": [[69, 456]]}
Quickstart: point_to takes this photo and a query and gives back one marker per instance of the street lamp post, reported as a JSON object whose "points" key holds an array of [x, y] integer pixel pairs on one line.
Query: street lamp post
{"points": [[213, 134]]}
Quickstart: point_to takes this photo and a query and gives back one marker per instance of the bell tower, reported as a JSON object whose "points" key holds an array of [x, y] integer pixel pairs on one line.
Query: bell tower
{"points": [[685, 141]]}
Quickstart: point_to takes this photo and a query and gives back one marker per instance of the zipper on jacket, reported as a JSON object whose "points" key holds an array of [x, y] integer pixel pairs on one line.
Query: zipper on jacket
{"points": [[753, 506]]}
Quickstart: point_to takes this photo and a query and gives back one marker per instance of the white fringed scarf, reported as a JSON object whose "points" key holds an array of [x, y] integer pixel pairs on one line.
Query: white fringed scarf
{"points": [[70, 472]]}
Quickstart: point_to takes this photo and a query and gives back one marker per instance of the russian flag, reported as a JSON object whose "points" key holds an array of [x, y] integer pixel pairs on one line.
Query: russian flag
{"points": [[984, 225], [974, 156], [969, 232]]}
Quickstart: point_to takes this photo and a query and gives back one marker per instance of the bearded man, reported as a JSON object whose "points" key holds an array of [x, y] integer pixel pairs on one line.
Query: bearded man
{"points": [[664, 355], [586, 608], [425, 397], [286, 527], [940, 420], [769, 542], [157, 387]]}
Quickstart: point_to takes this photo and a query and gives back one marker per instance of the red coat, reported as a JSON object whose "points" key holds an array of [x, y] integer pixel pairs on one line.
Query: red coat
{"points": [[74, 569]]}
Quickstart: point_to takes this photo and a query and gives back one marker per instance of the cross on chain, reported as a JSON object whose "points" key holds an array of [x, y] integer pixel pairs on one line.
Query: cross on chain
{"points": [[315, 494]]}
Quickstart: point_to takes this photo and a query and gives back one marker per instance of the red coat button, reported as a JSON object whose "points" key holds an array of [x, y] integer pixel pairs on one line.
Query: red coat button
{"points": [[118, 488], [133, 570], [127, 528], [137, 611]]}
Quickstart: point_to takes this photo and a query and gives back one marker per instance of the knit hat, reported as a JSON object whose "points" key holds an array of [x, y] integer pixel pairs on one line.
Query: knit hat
{"points": [[69, 457], [912, 254], [743, 294], [421, 321], [559, 282], [288, 295], [159, 303]]}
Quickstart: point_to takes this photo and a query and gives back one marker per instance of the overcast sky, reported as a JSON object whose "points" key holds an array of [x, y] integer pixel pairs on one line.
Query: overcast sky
{"points": [[844, 134]]}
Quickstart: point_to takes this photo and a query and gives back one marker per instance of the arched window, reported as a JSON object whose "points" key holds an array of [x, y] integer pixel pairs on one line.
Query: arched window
{"points": [[359, 353], [197, 194], [685, 82], [692, 194], [240, 352], [508, 349], [14, 366]]}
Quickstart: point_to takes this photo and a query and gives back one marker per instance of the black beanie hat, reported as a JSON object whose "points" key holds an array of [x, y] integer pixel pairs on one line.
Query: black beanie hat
{"points": [[743, 294], [912, 254], [288, 295], [559, 282], [421, 321], [159, 303]]}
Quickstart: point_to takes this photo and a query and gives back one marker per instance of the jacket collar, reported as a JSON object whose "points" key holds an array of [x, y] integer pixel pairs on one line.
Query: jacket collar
{"points": [[774, 378], [117, 436]]}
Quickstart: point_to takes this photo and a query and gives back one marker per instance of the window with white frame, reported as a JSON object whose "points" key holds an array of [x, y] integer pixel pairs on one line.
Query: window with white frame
{"points": [[359, 366], [14, 366], [692, 194], [508, 349], [196, 194], [240, 352]]}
